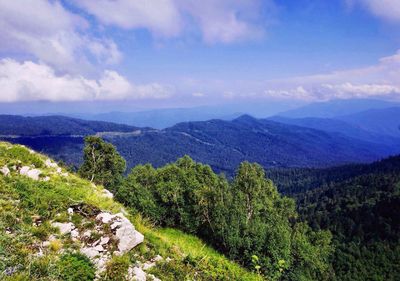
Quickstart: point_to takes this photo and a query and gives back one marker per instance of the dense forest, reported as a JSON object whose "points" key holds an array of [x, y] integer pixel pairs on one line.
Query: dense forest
{"points": [[360, 205], [357, 206]]}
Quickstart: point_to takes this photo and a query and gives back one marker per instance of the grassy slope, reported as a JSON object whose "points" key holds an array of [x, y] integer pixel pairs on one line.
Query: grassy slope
{"points": [[22, 201]]}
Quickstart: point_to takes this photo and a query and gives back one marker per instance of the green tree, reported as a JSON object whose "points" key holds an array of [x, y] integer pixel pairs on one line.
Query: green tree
{"points": [[102, 163]]}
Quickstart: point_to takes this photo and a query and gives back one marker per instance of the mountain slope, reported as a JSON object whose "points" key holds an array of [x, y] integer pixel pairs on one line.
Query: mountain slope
{"points": [[55, 226], [221, 144], [379, 121], [359, 204], [56, 125], [335, 108], [347, 128]]}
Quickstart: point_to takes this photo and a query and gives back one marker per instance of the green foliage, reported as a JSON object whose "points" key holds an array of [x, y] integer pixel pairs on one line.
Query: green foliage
{"points": [[244, 218], [102, 163], [75, 267], [359, 204], [116, 269]]}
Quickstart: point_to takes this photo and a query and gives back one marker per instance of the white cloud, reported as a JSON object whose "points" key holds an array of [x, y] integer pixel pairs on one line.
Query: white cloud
{"points": [[29, 81], [198, 95], [224, 21], [50, 33], [159, 16], [386, 9]]}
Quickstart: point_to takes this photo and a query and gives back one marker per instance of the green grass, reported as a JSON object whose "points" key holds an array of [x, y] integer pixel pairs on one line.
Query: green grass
{"points": [[23, 200], [191, 256]]}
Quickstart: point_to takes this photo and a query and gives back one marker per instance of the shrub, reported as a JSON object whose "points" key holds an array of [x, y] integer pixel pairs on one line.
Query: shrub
{"points": [[75, 267], [117, 268]]}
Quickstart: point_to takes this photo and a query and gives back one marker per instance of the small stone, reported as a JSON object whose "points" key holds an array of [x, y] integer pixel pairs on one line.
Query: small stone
{"points": [[158, 258], [70, 211], [168, 259], [59, 170], [99, 248], [153, 278], [50, 164], [104, 240], [46, 179], [74, 233], [24, 170], [107, 194], [148, 265], [5, 171], [87, 233], [64, 227], [137, 273], [90, 252]]}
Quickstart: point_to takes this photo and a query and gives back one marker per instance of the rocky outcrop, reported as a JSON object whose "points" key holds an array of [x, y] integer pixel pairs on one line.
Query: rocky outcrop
{"points": [[125, 232], [30, 173]]}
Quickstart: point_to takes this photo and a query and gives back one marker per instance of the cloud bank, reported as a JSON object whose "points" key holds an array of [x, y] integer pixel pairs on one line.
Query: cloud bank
{"points": [[29, 81], [222, 21]]}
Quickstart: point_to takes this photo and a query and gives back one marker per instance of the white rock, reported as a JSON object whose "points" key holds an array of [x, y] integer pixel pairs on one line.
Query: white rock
{"points": [[87, 233], [24, 170], [34, 174], [116, 224], [168, 259], [158, 258], [90, 252], [153, 278], [70, 211], [104, 240], [64, 227], [74, 233], [59, 170], [105, 217], [148, 265], [99, 248], [46, 244], [46, 179], [107, 194], [137, 273], [126, 234], [5, 171], [128, 237], [50, 164]]}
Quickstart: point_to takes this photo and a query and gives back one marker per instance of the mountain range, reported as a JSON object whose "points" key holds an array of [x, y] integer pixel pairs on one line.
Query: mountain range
{"points": [[220, 143]]}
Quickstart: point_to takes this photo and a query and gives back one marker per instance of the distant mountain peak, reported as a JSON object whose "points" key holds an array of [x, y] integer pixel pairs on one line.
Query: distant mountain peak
{"points": [[245, 118]]}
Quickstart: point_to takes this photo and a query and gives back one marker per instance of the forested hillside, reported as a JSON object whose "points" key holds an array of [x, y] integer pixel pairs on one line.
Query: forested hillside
{"points": [[360, 205], [221, 144], [56, 126]]}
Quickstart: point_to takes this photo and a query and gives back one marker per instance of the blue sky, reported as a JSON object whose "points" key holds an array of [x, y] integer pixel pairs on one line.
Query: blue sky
{"points": [[188, 53]]}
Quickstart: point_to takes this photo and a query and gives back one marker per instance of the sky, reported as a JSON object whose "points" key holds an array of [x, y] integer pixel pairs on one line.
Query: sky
{"points": [[173, 53]]}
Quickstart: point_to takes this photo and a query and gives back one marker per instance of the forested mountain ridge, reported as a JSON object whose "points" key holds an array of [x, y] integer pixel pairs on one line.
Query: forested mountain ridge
{"points": [[359, 204], [56, 126], [221, 144]]}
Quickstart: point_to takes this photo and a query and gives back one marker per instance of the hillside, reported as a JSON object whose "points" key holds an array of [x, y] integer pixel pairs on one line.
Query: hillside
{"points": [[349, 127], [57, 226], [221, 144], [379, 121], [359, 204], [334, 108], [56, 126]]}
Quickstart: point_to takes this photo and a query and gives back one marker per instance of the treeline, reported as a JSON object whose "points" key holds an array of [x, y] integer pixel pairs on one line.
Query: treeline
{"points": [[246, 218]]}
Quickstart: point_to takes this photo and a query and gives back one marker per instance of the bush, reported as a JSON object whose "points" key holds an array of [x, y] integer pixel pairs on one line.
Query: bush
{"points": [[117, 268], [75, 267]]}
